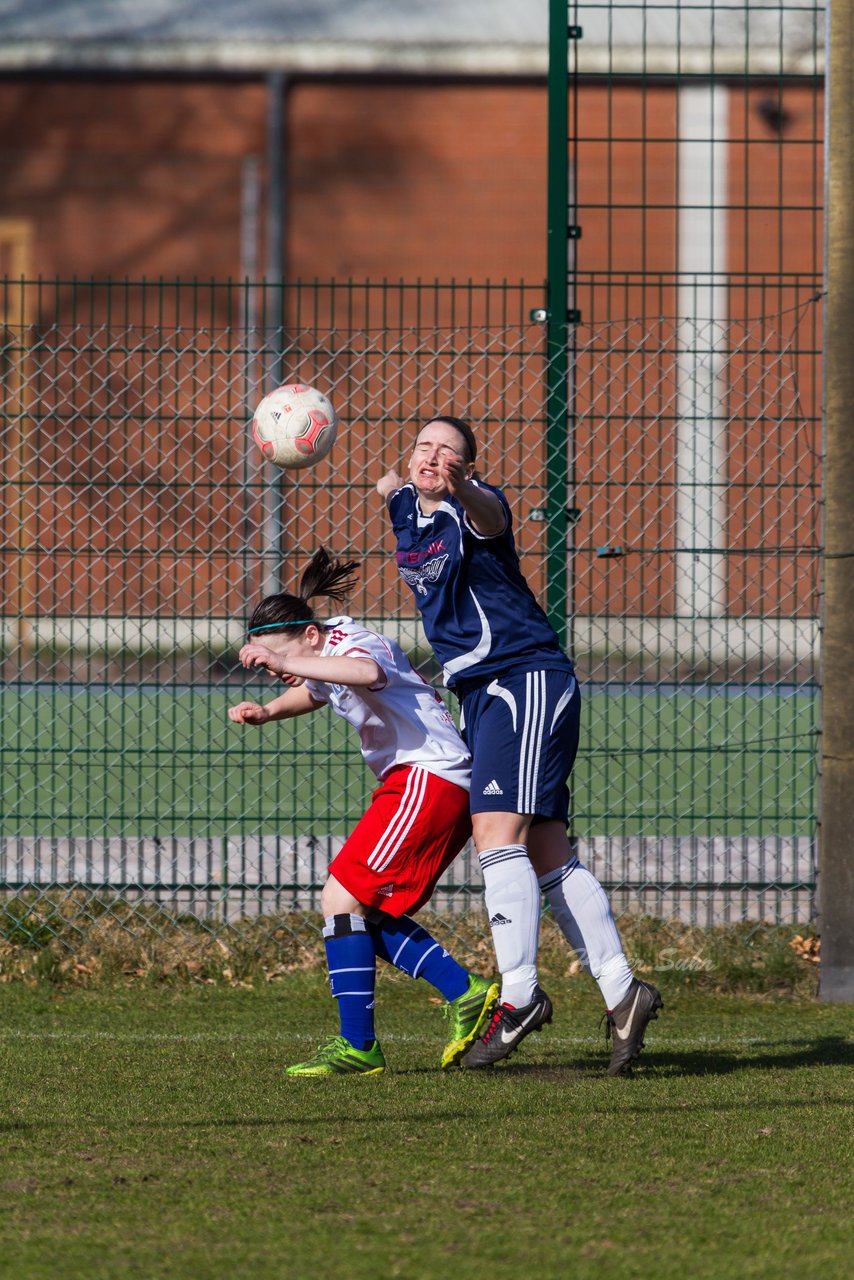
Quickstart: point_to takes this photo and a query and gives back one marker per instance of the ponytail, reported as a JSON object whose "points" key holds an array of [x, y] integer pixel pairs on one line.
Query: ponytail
{"points": [[326, 576], [291, 614]]}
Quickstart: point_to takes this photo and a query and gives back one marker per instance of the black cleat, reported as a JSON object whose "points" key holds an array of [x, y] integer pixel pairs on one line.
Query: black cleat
{"points": [[507, 1029], [627, 1023]]}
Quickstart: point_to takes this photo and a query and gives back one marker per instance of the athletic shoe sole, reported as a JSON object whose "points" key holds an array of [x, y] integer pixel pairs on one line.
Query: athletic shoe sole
{"points": [[333, 1075]]}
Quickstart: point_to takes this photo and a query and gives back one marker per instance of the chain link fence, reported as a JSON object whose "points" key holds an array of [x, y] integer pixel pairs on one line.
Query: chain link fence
{"points": [[141, 525]]}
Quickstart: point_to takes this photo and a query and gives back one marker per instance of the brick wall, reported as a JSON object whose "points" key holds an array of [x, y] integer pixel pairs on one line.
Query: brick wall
{"points": [[416, 179], [384, 180]]}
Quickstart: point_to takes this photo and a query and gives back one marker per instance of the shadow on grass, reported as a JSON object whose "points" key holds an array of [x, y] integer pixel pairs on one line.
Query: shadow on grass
{"points": [[777, 1055], [314, 1130], [786, 1055]]}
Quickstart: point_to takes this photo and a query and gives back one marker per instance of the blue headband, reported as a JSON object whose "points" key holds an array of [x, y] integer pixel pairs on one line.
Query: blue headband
{"points": [[300, 622]]}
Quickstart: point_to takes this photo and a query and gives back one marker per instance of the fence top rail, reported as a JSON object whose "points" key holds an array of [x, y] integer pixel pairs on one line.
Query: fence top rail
{"points": [[754, 278]]}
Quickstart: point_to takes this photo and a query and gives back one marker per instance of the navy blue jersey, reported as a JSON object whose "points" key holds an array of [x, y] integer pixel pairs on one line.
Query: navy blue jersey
{"points": [[479, 614]]}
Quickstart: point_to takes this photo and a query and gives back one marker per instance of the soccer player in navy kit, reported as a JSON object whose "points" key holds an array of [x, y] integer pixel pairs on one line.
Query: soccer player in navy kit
{"points": [[416, 823], [519, 712]]}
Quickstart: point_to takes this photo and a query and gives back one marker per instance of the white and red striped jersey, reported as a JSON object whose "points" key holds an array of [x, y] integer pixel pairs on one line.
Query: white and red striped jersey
{"points": [[402, 720]]}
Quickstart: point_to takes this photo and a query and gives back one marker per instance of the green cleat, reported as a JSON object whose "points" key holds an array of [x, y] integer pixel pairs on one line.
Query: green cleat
{"points": [[337, 1057], [468, 1014]]}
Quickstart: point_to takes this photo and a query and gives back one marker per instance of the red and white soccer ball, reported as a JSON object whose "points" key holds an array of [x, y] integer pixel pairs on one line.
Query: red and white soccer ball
{"points": [[295, 426]]}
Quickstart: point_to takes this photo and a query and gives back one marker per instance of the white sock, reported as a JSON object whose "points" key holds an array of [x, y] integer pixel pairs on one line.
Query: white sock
{"points": [[513, 905], [581, 908]]}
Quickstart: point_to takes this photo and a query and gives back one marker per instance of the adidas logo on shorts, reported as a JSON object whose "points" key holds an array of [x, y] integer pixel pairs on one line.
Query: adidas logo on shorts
{"points": [[498, 918], [492, 789]]}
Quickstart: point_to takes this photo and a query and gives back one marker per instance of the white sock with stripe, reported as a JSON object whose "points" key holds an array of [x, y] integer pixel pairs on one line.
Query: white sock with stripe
{"points": [[581, 908], [512, 897]]}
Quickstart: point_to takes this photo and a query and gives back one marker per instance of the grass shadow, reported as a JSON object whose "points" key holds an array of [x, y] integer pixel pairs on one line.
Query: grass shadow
{"points": [[778, 1055], [787, 1055]]}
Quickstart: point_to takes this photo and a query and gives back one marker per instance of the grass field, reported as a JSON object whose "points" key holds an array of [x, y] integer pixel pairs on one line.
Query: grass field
{"points": [[151, 1133], [148, 761]]}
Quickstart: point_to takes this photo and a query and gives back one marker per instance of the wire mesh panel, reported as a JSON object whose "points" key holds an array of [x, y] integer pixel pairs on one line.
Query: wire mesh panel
{"points": [[141, 526], [696, 585], [696, 158]]}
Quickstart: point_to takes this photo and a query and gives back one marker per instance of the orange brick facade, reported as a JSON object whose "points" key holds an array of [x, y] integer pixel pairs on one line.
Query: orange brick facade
{"points": [[384, 180]]}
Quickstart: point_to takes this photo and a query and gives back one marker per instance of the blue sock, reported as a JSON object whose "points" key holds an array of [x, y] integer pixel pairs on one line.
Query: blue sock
{"points": [[410, 948], [352, 965]]}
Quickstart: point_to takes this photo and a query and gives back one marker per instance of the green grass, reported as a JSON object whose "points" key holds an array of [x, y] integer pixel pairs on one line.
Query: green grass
{"points": [[165, 762], [709, 761], [171, 763], [151, 1133]]}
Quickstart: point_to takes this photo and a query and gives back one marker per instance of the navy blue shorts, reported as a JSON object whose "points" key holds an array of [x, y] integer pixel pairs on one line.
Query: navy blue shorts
{"points": [[522, 732]]}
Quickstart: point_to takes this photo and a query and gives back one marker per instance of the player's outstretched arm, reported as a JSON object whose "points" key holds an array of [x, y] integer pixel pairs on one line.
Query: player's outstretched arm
{"points": [[389, 484], [485, 513], [296, 702]]}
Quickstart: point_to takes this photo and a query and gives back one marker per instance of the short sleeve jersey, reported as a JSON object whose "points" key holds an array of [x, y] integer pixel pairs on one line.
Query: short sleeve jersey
{"points": [[480, 616], [401, 720]]}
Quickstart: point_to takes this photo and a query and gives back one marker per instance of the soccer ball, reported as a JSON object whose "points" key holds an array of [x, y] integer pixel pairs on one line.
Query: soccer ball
{"points": [[295, 425]]}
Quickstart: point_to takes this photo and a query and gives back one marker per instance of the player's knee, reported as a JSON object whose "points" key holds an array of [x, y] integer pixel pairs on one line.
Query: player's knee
{"points": [[336, 900], [493, 830]]}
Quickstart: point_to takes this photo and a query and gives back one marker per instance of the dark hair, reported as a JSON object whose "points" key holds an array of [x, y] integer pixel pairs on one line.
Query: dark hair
{"points": [[291, 614], [464, 429]]}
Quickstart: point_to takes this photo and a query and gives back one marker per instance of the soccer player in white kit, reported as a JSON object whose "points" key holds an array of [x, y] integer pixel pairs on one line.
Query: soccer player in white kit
{"points": [[416, 824]]}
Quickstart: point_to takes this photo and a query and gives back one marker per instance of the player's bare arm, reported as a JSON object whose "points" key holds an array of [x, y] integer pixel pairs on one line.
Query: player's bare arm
{"points": [[296, 702], [485, 513], [259, 656], [355, 672], [358, 673], [389, 484]]}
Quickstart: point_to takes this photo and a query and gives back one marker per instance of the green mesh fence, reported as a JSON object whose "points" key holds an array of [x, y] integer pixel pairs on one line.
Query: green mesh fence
{"points": [[140, 526]]}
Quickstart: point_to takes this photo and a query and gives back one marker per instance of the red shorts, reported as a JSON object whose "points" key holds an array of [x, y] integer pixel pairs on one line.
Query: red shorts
{"points": [[415, 827]]}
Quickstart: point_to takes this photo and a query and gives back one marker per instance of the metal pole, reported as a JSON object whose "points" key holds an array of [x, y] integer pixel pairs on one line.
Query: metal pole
{"points": [[276, 88], [274, 314], [702, 306], [836, 817], [253, 463], [557, 322]]}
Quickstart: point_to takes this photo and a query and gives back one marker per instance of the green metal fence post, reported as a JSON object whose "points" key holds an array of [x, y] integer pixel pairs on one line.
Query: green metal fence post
{"points": [[558, 318]]}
